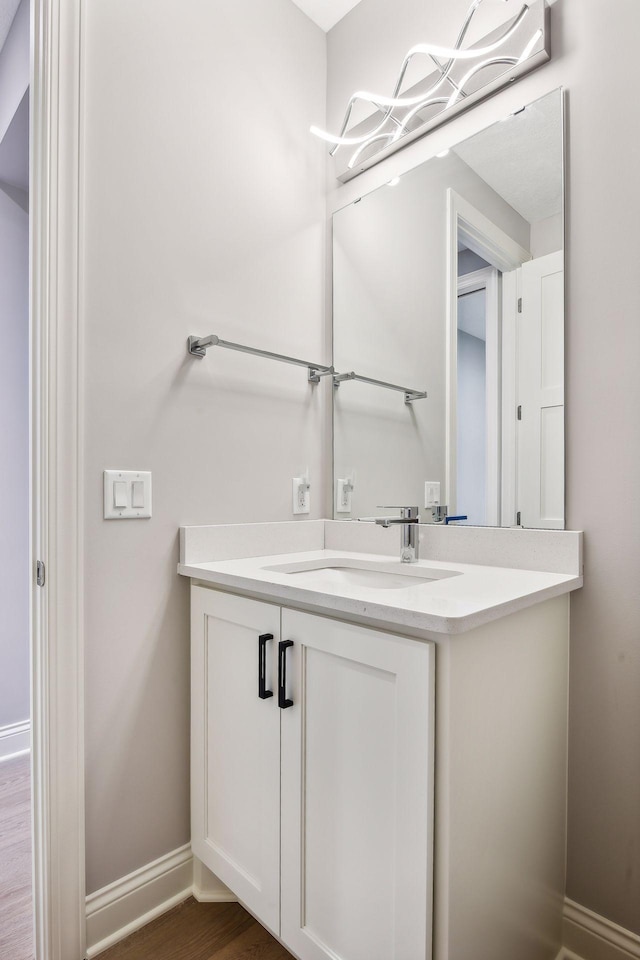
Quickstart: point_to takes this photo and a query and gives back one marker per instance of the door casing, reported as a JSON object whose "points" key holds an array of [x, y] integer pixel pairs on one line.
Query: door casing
{"points": [[56, 482]]}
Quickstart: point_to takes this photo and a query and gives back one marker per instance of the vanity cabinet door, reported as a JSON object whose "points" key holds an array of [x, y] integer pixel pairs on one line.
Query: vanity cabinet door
{"points": [[235, 744], [357, 793]]}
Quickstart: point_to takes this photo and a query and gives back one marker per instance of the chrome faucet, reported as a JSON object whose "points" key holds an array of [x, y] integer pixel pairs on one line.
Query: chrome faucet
{"points": [[409, 519]]}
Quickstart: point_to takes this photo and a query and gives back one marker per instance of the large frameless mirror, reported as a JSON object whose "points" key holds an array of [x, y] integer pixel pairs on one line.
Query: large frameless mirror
{"points": [[449, 282]]}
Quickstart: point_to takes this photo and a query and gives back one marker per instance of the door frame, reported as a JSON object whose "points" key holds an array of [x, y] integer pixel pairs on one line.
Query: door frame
{"points": [[487, 279], [57, 669], [485, 238]]}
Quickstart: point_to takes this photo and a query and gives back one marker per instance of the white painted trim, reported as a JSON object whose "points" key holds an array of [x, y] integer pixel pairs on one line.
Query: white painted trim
{"points": [[509, 331], [207, 888], [588, 936], [125, 906], [483, 237], [56, 483], [15, 740]]}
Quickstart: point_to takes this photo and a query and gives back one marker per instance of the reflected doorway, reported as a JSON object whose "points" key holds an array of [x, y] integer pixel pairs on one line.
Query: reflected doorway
{"points": [[478, 390], [506, 431]]}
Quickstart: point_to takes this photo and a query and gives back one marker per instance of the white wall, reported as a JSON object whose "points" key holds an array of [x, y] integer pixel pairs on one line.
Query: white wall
{"points": [[14, 460], [602, 385], [203, 211]]}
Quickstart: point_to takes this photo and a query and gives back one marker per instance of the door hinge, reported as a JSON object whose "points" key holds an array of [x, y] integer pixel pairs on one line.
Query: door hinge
{"points": [[519, 412], [519, 304], [41, 573], [518, 519]]}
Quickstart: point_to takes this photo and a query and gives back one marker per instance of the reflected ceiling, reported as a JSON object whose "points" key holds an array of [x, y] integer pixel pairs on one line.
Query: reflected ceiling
{"points": [[530, 140]]}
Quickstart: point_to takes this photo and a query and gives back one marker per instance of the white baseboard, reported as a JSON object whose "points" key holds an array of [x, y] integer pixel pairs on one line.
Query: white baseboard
{"points": [[207, 888], [15, 739], [128, 904], [587, 936]]}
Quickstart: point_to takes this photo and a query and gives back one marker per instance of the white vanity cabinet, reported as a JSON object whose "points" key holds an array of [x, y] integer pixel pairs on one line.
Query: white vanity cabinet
{"points": [[409, 802], [315, 804]]}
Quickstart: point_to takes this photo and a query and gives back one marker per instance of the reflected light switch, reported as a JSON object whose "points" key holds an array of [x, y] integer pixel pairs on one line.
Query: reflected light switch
{"points": [[137, 493]]}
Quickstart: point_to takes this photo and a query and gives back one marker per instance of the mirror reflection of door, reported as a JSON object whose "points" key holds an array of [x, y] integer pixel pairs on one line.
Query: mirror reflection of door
{"points": [[524, 384], [540, 469]]}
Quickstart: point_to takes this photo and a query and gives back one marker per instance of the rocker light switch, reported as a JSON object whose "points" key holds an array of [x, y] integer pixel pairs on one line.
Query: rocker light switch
{"points": [[119, 494], [127, 494], [137, 493]]}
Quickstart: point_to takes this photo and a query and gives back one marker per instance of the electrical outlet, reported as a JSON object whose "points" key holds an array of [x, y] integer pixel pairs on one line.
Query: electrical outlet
{"points": [[431, 493], [301, 497], [344, 489]]}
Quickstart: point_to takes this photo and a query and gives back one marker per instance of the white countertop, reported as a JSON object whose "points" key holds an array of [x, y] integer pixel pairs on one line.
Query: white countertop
{"points": [[447, 606]]}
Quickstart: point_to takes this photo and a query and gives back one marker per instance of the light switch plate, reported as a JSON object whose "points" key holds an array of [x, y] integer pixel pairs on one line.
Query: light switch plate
{"points": [[123, 488]]}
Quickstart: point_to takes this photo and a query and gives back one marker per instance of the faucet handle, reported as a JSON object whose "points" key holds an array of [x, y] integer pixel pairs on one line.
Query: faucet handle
{"points": [[407, 512]]}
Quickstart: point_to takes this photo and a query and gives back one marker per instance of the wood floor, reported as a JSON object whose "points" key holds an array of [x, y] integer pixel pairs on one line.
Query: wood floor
{"points": [[200, 931], [192, 931], [16, 909]]}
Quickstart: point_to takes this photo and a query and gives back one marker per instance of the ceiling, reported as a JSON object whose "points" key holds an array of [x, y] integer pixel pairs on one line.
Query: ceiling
{"points": [[325, 13], [7, 13]]}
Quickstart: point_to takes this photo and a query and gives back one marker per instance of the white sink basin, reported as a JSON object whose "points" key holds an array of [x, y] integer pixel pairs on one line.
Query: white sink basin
{"points": [[372, 574]]}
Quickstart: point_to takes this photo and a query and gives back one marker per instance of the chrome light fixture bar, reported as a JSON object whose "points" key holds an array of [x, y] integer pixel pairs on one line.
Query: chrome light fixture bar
{"points": [[463, 76]]}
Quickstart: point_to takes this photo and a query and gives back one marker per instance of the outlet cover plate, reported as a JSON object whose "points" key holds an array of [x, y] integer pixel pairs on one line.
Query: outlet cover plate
{"points": [[431, 493], [300, 495], [343, 497]]}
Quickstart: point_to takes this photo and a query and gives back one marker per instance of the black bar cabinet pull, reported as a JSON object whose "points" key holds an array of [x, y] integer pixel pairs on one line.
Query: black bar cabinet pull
{"points": [[263, 693], [283, 703]]}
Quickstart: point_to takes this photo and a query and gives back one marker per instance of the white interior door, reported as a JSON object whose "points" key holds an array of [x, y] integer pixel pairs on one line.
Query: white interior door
{"points": [[357, 787], [235, 744], [541, 393]]}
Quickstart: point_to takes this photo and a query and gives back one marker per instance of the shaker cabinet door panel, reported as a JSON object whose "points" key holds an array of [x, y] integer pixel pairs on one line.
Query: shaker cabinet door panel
{"points": [[235, 805], [357, 787]]}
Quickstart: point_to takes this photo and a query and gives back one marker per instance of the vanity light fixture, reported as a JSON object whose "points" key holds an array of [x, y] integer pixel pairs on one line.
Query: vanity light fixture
{"points": [[463, 76]]}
